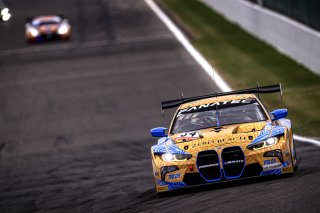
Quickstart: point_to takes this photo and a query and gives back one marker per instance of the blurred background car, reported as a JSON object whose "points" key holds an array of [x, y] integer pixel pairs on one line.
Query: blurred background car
{"points": [[4, 11], [50, 27]]}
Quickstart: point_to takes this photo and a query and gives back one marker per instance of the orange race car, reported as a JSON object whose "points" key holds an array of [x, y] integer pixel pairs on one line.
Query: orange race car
{"points": [[51, 27], [222, 137]]}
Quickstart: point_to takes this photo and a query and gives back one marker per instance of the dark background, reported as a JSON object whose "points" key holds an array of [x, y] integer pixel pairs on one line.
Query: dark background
{"points": [[75, 118]]}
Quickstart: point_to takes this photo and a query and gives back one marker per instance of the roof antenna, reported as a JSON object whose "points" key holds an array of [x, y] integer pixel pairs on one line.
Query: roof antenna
{"points": [[280, 91], [182, 97], [258, 88]]}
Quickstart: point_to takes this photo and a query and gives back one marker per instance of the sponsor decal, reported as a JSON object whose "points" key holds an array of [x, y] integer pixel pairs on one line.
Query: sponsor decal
{"points": [[188, 136], [271, 161], [287, 170], [204, 143], [208, 165], [233, 162], [169, 185], [174, 176], [162, 188], [222, 140], [222, 104], [272, 166]]}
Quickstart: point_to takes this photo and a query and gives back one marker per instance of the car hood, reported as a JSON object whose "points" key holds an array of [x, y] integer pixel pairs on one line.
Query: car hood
{"points": [[231, 135], [49, 27]]}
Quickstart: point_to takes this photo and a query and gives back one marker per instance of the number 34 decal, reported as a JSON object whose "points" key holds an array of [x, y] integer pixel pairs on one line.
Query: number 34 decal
{"points": [[188, 136]]}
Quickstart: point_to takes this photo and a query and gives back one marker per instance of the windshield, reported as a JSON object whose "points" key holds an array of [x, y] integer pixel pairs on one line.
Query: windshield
{"points": [[218, 114], [47, 23]]}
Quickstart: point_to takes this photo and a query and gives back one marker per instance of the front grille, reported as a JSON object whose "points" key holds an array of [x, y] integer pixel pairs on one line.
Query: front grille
{"points": [[233, 162], [208, 165]]}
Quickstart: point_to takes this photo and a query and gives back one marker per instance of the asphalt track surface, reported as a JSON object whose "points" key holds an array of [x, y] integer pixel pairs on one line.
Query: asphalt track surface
{"points": [[75, 118]]}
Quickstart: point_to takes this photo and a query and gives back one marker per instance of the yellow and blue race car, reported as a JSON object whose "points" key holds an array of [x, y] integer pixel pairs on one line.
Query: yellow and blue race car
{"points": [[222, 137]]}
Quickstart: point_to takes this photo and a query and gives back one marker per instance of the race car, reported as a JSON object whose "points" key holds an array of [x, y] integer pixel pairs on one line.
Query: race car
{"points": [[51, 27], [4, 11], [222, 137]]}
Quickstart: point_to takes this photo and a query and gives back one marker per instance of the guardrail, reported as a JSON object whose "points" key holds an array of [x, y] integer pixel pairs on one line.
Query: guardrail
{"points": [[292, 38], [306, 12]]}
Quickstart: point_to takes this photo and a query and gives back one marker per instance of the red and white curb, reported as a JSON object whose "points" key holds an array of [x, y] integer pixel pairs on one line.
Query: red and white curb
{"points": [[207, 67]]}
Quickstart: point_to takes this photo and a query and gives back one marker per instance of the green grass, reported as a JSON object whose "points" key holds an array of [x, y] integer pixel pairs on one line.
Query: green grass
{"points": [[243, 60]]}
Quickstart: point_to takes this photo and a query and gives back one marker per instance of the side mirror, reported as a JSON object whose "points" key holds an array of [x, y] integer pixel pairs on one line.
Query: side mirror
{"points": [[279, 113], [159, 132]]}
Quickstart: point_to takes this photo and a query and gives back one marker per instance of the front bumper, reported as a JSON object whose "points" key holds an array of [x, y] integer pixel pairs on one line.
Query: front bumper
{"points": [[253, 163], [47, 36]]}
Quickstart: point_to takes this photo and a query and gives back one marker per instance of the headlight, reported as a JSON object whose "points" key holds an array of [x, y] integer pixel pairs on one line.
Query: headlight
{"points": [[271, 141], [4, 11], [262, 144], [6, 17], [167, 157], [175, 157], [63, 29], [34, 32]]}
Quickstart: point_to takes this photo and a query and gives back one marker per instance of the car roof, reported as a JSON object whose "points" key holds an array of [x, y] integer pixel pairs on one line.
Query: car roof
{"points": [[39, 19], [216, 99]]}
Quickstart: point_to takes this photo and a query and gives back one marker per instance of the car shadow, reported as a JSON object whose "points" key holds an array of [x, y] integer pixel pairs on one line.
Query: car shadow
{"points": [[221, 185]]}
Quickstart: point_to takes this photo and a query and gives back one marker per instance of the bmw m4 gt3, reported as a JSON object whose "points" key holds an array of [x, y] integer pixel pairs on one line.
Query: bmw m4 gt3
{"points": [[222, 137], [47, 28]]}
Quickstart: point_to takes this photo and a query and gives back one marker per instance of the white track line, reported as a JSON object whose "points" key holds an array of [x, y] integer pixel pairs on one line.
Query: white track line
{"points": [[203, 62], [306, 140], [186, 44]]}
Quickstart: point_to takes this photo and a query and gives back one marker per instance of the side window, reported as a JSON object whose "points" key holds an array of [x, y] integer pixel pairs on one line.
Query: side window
{"points": [[262, 106]]}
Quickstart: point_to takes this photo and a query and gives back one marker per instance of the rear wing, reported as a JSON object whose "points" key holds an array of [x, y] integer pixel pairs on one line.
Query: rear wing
{"points": [[257, 90]]}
